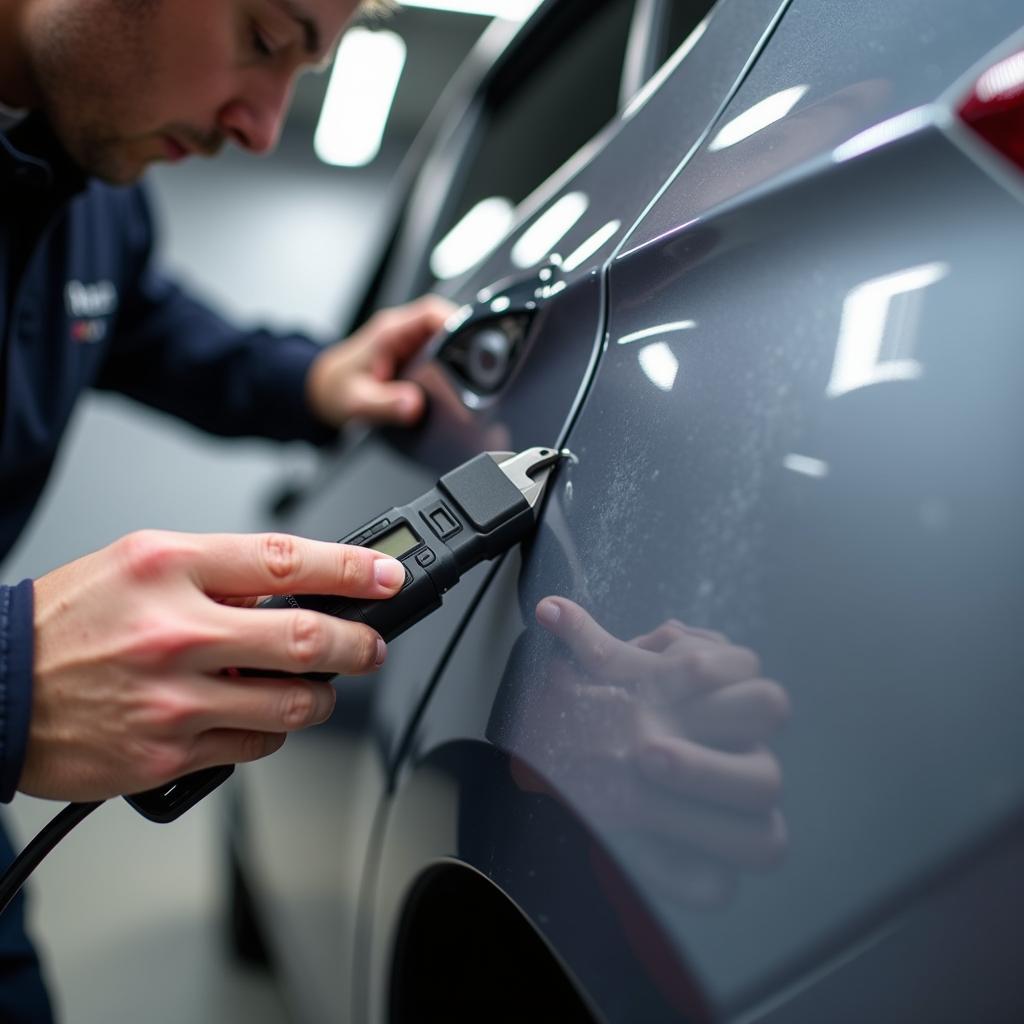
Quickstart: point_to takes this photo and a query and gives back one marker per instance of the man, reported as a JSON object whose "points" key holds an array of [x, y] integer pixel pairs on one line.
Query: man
{"points": [[110, 666]]}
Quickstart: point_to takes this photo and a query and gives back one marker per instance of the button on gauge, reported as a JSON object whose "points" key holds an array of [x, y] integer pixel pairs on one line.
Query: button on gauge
{"points": [[441, 521]]}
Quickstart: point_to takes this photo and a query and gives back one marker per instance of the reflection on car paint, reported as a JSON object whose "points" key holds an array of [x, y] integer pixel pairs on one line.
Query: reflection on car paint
{"points": [[549, 291], [889, 131], [592, 246], [538, 242], [758, 117], [807, 465], [472, 238], [659, 742], [660, 364], [879, 328], [653, 332]]}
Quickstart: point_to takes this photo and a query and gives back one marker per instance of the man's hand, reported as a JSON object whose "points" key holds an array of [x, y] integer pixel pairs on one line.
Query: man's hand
{"points": [[131, 641], [356, 378]]}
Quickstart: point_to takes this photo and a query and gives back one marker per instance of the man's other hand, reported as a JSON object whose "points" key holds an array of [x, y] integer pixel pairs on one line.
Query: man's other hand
{"points": [[356, 378], [131, 643]]}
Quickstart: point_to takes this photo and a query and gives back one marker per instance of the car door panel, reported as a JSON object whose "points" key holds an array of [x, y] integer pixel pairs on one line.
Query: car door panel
{"points": [[803, 434], [863, 76]]}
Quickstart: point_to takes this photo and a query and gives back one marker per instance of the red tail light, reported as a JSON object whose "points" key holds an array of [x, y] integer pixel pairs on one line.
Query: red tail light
{"points": [[995, 108]]}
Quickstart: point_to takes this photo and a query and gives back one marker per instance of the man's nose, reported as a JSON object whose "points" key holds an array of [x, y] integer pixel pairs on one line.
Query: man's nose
{"points": [[254, 119]]}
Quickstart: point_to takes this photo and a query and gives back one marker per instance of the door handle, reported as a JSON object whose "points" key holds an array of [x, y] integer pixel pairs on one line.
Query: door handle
{"points": [[484, 340]]}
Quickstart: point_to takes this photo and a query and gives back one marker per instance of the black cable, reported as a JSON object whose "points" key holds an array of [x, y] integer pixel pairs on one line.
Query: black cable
{"points": [[28, 860]]}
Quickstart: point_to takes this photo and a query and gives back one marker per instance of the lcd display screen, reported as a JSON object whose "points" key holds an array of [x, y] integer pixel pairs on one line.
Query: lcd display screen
{"points": [[397, 542]]}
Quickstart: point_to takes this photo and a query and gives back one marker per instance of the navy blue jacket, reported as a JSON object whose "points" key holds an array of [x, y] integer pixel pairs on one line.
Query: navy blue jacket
{"points": [[82, 305]]}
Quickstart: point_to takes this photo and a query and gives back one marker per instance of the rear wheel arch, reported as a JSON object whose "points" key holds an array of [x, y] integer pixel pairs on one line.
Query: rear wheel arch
{"points": [[464, 952]]}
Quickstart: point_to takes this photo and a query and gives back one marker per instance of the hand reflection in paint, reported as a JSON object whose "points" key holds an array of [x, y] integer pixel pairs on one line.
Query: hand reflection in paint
{"points": [[662, 742]]}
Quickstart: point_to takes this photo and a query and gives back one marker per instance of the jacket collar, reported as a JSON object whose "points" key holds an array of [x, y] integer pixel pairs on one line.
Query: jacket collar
{"points": [[32, 158], [10, 117]]}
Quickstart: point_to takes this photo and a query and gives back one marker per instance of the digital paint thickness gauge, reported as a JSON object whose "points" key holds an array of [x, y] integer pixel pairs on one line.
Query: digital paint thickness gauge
{"points": [[475, 513]]}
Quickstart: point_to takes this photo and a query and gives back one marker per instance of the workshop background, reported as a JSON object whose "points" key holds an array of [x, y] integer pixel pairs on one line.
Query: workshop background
{"points": [[128, 915]]}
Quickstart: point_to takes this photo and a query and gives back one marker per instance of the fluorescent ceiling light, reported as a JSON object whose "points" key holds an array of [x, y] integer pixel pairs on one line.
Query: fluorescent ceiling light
{"points": [[362, 88], [516, 10], [472, 238], [758, 117]]}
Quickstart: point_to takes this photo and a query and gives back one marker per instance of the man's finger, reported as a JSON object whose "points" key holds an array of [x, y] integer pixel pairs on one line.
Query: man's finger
{"points": [[240, 602], [278, 563], [289, 640], [232, 746], [401, 332], [385, 401], [259, 704]]}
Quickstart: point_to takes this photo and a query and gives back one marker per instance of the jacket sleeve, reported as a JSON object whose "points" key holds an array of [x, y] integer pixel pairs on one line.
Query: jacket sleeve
{"points": [[172, 352], [17, 643]]}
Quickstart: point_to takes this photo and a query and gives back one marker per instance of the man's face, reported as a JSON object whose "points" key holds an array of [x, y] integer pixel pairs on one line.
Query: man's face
{"points": [[129, 82]]}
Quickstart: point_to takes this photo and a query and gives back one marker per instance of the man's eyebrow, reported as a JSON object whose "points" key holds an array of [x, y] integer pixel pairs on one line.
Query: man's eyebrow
{"points": [[310, 29]]}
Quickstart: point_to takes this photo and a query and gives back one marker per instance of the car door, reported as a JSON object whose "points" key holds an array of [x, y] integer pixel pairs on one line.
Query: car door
{"points": [[803, 434], [310, 817]]}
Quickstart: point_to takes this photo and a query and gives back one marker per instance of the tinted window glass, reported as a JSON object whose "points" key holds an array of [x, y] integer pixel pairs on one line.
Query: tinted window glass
{"points": [[554, 95], [682, 17]]}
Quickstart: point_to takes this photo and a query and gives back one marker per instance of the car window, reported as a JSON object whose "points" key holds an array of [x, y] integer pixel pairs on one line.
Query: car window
{"points": [[549, 99], [681, 18]]}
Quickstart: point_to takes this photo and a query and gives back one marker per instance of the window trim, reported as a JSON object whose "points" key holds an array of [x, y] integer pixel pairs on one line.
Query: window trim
{"points": [[446, 163], [649, 21]]}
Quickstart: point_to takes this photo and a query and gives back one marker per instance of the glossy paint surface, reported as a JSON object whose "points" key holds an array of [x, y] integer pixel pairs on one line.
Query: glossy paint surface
{"points": [[796, 462], [865, 74], [829, 484], [309, 846], [802, 435]]}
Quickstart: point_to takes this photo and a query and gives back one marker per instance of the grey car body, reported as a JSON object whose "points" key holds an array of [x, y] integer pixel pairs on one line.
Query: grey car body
{"points": [[781, 334]]}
